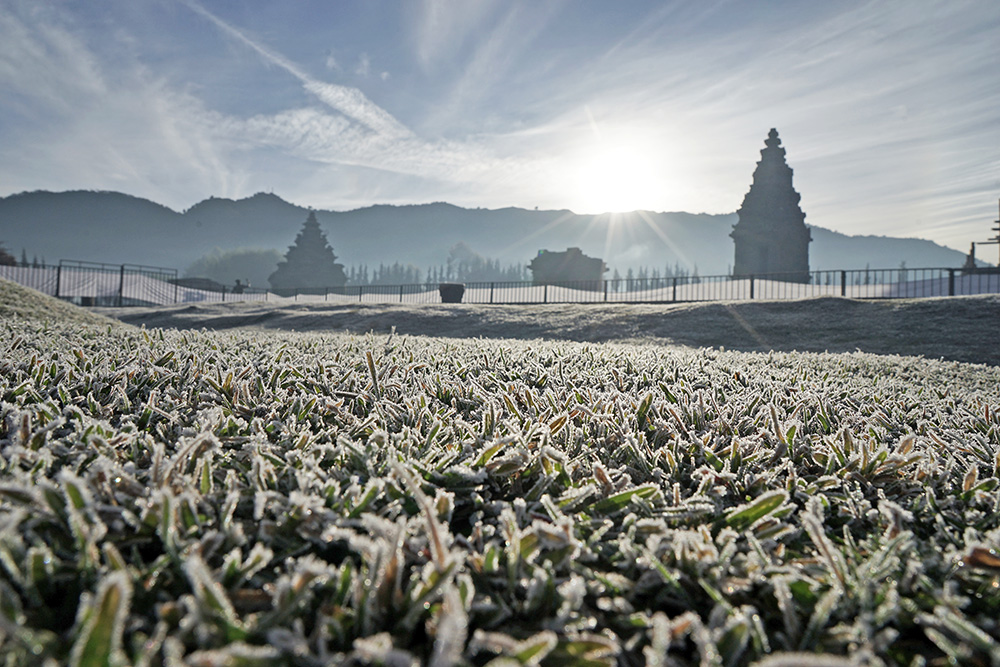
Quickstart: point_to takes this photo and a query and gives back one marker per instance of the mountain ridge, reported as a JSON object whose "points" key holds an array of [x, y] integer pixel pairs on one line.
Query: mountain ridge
{"points": [[114, 227]]}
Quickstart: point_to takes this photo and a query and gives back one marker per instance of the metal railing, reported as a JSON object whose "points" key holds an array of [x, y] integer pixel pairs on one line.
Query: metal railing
{"points": [[88, 283], [97, 284]]}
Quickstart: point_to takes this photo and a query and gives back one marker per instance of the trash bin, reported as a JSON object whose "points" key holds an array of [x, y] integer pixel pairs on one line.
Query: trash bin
{"points": [[451, 292]]}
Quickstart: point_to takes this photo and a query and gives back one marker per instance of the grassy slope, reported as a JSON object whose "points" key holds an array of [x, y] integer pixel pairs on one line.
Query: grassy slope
{"points": [[302, 498], [23, 302]]}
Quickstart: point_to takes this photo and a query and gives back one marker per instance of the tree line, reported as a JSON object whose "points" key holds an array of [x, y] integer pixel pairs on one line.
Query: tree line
{"points": [[647, 277], [7, 259], [488, 270]]}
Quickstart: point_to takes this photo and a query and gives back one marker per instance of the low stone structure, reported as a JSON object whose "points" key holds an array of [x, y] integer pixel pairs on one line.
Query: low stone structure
{"points": [[570, 267]]}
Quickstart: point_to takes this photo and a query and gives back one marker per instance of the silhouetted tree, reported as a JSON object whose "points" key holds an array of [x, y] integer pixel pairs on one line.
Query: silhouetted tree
{"points": [[6, 258], [397, 274], [466, 265], [359, 276], [470, 268], [310, 265]]}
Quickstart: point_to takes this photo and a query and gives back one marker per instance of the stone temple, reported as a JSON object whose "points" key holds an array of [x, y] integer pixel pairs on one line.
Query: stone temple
{"points": [[771, 236]]}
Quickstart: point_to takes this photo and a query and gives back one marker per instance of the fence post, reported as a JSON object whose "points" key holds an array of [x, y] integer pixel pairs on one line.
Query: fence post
{"points": [[58, 279], [545, 293], [674, 298], [751, 287], [361, 288], [843, 283], [175, 290], [121, 284], [951, 282], [491, 292], [605, 290]]}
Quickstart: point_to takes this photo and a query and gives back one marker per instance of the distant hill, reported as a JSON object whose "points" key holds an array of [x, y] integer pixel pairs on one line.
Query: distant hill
{"points": [[117, 228]]}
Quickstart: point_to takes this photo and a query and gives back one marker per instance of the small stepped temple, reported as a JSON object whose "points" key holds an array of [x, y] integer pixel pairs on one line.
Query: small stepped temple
{"points": [[310, 267], [568, 267], [771, 236]]}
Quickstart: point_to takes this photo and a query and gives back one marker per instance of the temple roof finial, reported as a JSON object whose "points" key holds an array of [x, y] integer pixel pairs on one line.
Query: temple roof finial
{"points": [[772, 139]]}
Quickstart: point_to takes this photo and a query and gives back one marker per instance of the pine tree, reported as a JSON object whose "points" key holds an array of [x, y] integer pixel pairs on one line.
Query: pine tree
{"points": [[310, 265]]}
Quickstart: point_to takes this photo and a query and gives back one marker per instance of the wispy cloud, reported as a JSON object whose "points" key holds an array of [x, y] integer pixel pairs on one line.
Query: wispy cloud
{"points": [[885, 111], [444, 28], [890, 113], [349, 101], [485, 77], [75, 124], [77, 74], [363, 134], [364, 67], [114, 126]]}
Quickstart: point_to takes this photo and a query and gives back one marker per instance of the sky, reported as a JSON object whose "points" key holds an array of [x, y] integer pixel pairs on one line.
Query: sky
{"points": [[889, 110]]}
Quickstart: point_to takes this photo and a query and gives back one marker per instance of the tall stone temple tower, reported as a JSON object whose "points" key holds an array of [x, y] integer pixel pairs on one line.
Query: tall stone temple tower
{"points": [[771, 235]]}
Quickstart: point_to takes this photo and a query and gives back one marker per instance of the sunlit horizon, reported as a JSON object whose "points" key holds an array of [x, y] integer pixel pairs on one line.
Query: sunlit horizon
{"points": [[890, 120]]}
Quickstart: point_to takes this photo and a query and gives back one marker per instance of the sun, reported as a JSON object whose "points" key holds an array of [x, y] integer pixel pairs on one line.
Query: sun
{"points": [[616, 179]]}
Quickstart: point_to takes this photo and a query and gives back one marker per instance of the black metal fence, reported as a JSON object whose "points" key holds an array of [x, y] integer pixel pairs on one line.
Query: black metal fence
{"points": [[97, 284], [116, 285], [88, 283]]}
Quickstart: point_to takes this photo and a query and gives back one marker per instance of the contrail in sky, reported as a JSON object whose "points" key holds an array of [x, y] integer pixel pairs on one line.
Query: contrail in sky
{"points": [[349, 101]]}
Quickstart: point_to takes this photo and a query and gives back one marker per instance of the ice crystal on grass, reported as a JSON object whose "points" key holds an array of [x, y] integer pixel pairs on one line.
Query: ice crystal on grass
{"points": [[239, 498]]}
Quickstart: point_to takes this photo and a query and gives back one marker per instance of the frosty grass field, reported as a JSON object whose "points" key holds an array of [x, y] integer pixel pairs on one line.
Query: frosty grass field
{"points": [[256, 498]]}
